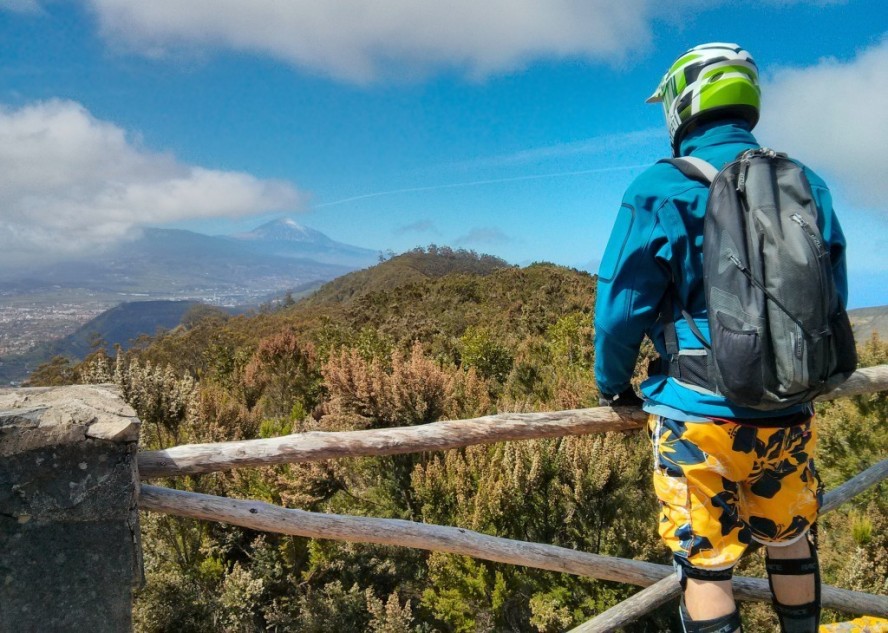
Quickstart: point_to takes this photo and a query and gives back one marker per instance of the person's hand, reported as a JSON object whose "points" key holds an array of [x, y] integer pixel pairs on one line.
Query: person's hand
{"points": [[625, 399]]}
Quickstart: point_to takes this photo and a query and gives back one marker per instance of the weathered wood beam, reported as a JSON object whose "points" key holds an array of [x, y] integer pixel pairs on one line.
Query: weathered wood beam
{"points": [[633, 608], [665, 591], [303, 447], [435, 436], [668, 589], [873, 475], [861, 382], [263, 516], [257, 515]]}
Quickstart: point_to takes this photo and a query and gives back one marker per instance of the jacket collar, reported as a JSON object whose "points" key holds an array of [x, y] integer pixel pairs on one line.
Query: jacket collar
{"points": [[724, 132]]}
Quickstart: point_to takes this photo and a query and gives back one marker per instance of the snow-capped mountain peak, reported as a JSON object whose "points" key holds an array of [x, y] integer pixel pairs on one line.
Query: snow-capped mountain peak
{"points": [[287, 237], [285, 230]]}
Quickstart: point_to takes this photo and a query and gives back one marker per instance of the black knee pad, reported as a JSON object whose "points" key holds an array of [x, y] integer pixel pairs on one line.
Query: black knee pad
{"points": [[801, 618], [725, 624], [685, 570]]}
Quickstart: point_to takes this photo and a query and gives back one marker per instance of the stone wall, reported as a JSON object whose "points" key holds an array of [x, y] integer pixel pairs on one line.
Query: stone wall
{"points": [[69, 530]]}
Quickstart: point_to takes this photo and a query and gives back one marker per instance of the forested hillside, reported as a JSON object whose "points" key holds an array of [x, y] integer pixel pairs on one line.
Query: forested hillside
{"points": [[428, 335]]}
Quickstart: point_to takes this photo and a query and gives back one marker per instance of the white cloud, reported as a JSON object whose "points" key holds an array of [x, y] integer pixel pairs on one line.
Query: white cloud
{"points": [[832, 117], [420, 226], [356, 39], [72, 182], [483, 235]]}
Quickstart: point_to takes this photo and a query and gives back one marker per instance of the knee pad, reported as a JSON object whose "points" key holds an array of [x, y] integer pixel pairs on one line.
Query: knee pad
{"points": [[725, 624], [800, 618], [685, 570]]}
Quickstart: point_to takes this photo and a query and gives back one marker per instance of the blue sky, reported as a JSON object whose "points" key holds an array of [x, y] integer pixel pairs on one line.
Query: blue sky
{"points": [[510, 127]]}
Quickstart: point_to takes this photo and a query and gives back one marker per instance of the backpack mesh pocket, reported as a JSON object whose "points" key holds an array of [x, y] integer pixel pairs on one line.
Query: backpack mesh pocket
{"points": [[741, 378]]}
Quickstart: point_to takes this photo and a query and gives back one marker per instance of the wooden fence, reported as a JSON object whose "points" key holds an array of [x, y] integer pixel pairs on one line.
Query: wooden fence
{"points": [[662, 585]]}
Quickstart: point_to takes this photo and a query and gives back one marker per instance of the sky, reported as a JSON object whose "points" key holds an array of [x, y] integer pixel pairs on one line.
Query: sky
{"points": [[509, 127]]}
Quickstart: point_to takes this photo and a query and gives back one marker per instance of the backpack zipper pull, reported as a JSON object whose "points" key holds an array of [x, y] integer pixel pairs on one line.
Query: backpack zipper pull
{"points": [[736, 261], [741, 177], [798, 219]]}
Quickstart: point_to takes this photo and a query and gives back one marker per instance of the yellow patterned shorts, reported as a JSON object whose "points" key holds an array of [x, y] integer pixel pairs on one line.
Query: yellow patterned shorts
{"points": [[722, 484]]}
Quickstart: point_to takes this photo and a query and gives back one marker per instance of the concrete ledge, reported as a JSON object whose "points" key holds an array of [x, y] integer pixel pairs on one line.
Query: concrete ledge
{"points": [[69, 531], [32, 418]]}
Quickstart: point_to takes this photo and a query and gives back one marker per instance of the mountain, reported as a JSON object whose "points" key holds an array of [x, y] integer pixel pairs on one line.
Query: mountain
{"points": [[867, 321], [42, 303], [175, 264], [287, 238]]}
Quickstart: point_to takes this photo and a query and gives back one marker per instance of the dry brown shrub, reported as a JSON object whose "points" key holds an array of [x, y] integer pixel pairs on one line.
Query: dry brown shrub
{"points": [[366, 394], [283, 373], [222, 417]]}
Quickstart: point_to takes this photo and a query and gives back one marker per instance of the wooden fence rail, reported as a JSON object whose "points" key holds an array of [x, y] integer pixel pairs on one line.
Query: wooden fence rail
{"points": [[661, 584], [633, 608], [303, 447], [258, 515]]}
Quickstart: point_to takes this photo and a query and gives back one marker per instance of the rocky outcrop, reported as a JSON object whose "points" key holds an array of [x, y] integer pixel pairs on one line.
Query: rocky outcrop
{"points": [[69, 531]]}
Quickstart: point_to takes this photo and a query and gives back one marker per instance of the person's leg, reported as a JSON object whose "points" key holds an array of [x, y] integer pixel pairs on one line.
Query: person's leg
{"points": [[707, 604], [708, 607], [790, 589], [707, 599], [782, 502], [695, 483], [794, 576]]}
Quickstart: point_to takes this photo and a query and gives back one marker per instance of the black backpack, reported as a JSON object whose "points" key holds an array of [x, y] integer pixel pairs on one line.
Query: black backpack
{"points": [[779, 334]]}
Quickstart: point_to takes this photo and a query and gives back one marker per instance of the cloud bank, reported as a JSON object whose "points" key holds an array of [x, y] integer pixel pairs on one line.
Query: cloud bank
{"points": [[832, 116], [355, 39], [483, 235], [420, 226], [72, 183]]}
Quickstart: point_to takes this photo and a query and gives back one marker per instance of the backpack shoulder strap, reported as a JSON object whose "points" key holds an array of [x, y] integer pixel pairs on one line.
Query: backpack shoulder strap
{"points": [[694, 168]]}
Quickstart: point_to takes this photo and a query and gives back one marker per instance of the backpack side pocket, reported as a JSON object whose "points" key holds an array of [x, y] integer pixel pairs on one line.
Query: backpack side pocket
{"points": [[738, 359]]}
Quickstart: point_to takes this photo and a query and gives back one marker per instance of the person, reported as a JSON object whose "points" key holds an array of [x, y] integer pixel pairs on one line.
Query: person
{"points": [[724, 475]]}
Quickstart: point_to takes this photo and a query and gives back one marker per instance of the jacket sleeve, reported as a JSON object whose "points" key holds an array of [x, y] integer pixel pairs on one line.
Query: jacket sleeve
{"points": [[835, 238], [632, 279]]}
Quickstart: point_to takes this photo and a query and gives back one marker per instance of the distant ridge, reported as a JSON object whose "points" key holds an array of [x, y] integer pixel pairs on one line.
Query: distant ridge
{"points": [[866, 321], [123, 324], [256, 268], [179, 264], [439, 298], [411, 267], [120, 325]]}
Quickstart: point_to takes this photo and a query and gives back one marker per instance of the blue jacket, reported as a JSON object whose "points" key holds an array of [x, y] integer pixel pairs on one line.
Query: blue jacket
{"points": [[657, 236]]}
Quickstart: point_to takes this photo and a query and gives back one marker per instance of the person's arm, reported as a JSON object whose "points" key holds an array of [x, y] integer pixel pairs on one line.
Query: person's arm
{"points": [[631, 284]]}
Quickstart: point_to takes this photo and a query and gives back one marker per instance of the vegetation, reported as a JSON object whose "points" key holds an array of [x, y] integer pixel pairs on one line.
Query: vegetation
{"points": [[424, 336]]}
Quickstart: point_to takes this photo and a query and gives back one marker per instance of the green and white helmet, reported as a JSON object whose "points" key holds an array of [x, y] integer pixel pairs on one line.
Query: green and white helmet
{"points": [[709, 81]]}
